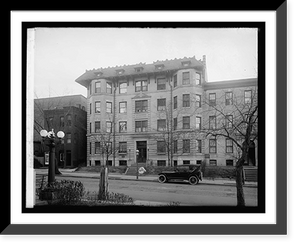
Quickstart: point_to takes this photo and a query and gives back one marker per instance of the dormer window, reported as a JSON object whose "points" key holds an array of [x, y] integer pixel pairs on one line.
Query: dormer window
{"points": [[120, 72], [185, 63], [159, 67], [98, 74], [138, 69]]}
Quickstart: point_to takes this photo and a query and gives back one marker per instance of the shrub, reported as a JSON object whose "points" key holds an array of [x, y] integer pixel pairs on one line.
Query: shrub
{"points": [[65, 192]]}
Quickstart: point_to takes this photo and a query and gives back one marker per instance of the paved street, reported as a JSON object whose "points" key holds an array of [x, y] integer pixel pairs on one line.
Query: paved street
{"points": [[183, 193]]}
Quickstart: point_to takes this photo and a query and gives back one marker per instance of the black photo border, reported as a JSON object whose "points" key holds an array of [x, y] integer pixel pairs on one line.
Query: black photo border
{"points": [[192, 229]]}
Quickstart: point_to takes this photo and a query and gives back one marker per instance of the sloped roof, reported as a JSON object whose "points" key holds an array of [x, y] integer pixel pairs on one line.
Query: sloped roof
{"points": [[138, 69]]}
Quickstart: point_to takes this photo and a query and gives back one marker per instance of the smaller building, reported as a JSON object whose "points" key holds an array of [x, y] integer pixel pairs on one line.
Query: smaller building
{"points": [[67, 114]]}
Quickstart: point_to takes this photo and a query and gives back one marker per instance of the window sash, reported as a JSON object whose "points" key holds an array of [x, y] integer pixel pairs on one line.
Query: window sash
{"points": [[97, 148], [212, 99], [198, 101], [229, 146], [108, 107], [186, 145], [141, 126], [123, 126], [212, 146], [248, 96], [141, 106], [161, 125], [97, 87], [108, 87], [186, 122], [122, 147], [97, 107], [161, 104], [161, 147], [123, 88], [186, 100], [175, 102], [212, 122], [198, 78], [141, 85], [185, 78], [228, 98], [199, 146], [97, 127], [123, 107], [108, 126], [198, 122], [161, 84]]}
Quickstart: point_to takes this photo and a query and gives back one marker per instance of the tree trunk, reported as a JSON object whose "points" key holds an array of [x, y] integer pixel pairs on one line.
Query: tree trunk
{"points": [[239, 183], [103, 183]]}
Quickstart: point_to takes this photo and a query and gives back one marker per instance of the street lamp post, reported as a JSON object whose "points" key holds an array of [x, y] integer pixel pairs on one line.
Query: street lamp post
{"points": [[49, 140]]}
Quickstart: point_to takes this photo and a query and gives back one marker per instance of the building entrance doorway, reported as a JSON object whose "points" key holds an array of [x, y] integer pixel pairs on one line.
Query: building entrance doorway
{"points": [[142, 147]]}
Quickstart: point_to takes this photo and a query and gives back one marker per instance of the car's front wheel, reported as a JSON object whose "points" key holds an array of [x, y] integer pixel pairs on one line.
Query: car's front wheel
{"points": [[193, 180], [162, 178]]}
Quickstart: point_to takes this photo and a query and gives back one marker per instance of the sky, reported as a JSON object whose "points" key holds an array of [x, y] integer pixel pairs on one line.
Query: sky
{"points": [[61, 55]]}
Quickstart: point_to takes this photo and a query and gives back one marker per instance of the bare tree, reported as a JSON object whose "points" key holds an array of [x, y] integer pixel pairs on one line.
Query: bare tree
{"points": [[235, 118]]}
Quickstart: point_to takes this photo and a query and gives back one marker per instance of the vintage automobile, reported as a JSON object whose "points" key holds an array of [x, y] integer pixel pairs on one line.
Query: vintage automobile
{"points": [[190, 173]]}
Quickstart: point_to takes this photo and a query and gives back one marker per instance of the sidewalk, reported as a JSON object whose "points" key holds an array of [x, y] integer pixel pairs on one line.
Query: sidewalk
{"points": [[149, 178]]}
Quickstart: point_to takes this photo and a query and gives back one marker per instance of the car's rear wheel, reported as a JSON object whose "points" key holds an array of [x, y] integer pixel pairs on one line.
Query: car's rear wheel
{"points": [[162, 178], [193, 180]]}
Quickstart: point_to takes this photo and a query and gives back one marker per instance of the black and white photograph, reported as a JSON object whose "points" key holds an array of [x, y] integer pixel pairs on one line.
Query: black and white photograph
{"points": [[142, 123], [147, 119]]}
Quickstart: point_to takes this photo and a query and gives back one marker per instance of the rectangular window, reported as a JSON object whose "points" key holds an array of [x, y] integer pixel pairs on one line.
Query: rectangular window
{"points": [[212, 146], [97, 148], [212, 122], [108, 107], [109, 87], [175, 102], [62, 121], [161, 147], [97, 87], [90, 108], [198, 122], [141, 126], [69, 138], [108, 127], [123, 107], [122, 147], [123, 87], [97, 127], [141, 106], [161, 125], [229, 162], [199, 146], [123, 126], [161, 162], [186, 145], [248, 96], [175, 80], [91, 89], [213, 162], [97, 107], [186, 122], [212, 99], [90, 147], [90, 127], [161, 84], [185, 78], [198, 101], [229, 146], [186, 100], [175, 123], [69, 120], [228, 98], [161, 104], [175, 146], [141, 85], [228, 121], [198, 78], [186, 162]]}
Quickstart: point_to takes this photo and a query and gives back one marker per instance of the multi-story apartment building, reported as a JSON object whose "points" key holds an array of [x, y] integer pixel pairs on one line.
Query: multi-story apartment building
{"points": [[157, 109]]}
